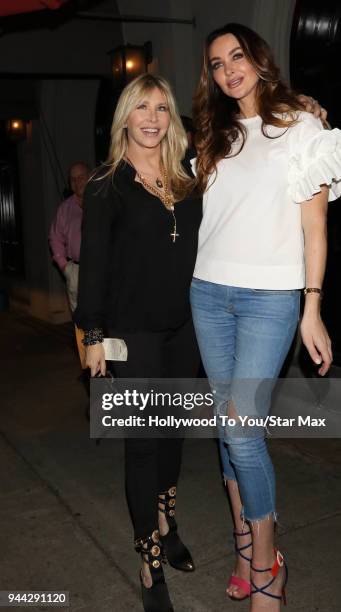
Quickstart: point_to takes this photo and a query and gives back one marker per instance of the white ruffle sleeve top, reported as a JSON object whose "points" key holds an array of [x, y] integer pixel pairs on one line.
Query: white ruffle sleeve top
{"points": [[251, 234]]}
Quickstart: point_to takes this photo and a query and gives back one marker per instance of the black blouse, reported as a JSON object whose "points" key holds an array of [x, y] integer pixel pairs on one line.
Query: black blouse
{"points": [[132, 275]]}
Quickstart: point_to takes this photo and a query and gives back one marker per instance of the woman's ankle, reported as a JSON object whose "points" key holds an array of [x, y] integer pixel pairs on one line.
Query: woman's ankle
{"points": [[146, 575], [163, 524], [263, 560], [166, 508]]}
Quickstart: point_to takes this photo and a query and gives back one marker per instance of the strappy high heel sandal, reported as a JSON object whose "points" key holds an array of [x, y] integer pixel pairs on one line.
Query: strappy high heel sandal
{"points": [[176, 553], [279, 562], [243, 585], [156, 598]]}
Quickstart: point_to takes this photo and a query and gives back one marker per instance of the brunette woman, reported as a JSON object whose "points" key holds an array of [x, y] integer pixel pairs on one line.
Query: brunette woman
{"points": [[138, 250], [267, 170]]}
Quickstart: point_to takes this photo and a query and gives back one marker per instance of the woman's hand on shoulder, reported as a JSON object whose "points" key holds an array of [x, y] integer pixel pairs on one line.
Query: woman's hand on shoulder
{"points": [[312, 106], [316, 340], [95, 359]]}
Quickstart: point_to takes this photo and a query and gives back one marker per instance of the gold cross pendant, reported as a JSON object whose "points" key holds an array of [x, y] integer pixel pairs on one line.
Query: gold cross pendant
{"points": [[174, 235]]}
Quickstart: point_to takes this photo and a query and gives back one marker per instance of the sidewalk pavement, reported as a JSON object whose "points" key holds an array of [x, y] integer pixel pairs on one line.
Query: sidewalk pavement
{"points": [[63, 513]]}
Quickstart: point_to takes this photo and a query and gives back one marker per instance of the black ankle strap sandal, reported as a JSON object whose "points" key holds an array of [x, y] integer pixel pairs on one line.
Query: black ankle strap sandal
{"points": [[155, 598], [176, 553], [167, 503]]}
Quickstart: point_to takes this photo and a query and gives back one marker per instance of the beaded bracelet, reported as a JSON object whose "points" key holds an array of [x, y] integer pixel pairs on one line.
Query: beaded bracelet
{"points": [[93, 336], [313, 290]]}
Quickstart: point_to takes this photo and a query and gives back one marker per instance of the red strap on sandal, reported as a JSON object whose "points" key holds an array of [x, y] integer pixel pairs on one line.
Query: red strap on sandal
{"points": [[279, 562]]}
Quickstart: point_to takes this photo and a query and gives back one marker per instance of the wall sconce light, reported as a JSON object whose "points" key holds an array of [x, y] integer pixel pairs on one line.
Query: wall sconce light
{"points": [[16, 129], [128, 62]]}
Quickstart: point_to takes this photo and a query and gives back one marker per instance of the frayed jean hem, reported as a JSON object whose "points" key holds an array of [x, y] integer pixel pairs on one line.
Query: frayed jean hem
{"points": [[272, 514]]}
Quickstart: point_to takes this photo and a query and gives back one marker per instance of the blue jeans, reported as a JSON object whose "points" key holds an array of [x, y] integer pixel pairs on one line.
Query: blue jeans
{"points": [[244, 336]]}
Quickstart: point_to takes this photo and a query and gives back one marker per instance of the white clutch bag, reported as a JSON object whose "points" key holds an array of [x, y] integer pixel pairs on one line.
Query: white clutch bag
{"points": [[115, 349]]}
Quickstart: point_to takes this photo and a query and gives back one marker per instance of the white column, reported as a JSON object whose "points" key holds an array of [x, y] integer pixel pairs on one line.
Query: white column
{"points": [[185, 67], [272, 19], [173, 44]]}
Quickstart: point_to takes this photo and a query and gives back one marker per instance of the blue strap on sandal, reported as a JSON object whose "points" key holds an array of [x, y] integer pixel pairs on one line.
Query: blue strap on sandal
{"points": [[279, 562], [239, 549]]}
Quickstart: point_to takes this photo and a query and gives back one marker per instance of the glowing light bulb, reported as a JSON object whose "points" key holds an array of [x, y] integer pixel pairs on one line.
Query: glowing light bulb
{"points": [[129, 64]]}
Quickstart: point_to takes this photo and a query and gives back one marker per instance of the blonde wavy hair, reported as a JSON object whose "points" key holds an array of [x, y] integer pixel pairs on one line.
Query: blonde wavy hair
{"points": [[173, 145]]}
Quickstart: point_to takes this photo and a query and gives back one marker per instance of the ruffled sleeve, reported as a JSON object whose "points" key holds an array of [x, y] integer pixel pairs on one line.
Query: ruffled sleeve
{"points": [[315, 159], [193, 163]]}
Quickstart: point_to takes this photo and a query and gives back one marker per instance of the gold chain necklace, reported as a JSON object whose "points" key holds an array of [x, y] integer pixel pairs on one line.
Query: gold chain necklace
{"points": [[166, 197], [158, 181]]}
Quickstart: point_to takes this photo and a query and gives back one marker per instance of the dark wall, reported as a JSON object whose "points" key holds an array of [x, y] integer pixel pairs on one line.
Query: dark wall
{"points": [[316, 51], [316, 70]]}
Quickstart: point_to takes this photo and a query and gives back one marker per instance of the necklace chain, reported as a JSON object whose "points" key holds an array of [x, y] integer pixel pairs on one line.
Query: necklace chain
{"points": [[166, 197], [158, 181]]}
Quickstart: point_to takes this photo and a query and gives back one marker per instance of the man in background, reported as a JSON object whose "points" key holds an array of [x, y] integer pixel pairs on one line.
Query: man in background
{"points": [[65, 239]]}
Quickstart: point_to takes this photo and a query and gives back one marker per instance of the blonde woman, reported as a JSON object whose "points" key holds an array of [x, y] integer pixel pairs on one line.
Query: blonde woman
{"points": [[138, 251]]}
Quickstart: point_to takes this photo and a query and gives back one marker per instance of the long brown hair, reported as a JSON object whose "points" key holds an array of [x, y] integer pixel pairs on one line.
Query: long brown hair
{"points": [[214, 113]]}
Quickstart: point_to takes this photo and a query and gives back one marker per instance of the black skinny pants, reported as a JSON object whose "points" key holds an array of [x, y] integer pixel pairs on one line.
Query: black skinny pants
{"points": [[153, 465]]}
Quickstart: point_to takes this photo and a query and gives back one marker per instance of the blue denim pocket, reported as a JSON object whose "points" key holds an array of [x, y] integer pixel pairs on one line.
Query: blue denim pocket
{"points": [[271, 292]]}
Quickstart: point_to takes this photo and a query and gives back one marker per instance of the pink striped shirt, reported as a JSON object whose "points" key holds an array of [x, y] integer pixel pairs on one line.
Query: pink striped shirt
{"points": [[65, 232]]}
